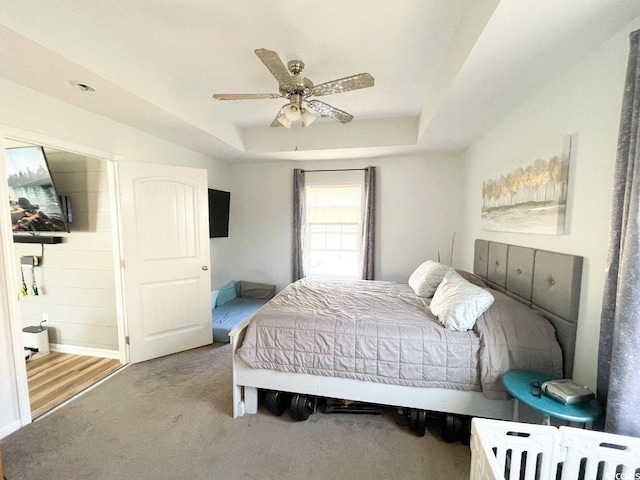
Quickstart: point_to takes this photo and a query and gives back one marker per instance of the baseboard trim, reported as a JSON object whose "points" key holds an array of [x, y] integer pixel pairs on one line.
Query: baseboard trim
{"points": [[10, 428], [88, 351]]}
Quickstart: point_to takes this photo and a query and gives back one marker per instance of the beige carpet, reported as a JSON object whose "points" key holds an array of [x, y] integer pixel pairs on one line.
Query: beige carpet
{"points": [[170, 418]]}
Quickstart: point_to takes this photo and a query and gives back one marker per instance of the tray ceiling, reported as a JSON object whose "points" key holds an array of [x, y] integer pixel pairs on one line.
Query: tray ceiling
{"points": [[445, 72]]}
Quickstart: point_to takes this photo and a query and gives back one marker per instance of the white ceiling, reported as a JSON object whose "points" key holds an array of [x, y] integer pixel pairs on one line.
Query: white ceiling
{"points": [[446, 70]]}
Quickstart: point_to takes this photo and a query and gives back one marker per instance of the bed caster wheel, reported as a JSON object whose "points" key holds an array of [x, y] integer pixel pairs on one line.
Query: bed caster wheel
{"points": [[418, 421], [451, 428], [277, 402], [301, 407]]}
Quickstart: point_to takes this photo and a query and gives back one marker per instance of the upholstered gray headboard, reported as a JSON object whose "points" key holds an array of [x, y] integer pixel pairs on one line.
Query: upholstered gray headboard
{"points": [[546, 281]]}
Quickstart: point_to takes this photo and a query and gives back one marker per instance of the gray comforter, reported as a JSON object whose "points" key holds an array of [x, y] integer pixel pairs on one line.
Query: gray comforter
{"points": [[383, 332]]}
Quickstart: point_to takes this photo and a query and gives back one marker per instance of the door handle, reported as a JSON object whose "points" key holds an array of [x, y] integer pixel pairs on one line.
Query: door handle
{"points": [[205, 268]]}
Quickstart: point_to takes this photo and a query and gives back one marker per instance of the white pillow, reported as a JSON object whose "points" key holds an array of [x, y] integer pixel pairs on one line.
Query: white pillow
{"points": [[426, 278], [458, 303]]}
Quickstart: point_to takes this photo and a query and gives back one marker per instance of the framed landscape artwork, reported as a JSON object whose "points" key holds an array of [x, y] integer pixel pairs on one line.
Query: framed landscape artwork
{"points": [[529, 195]]}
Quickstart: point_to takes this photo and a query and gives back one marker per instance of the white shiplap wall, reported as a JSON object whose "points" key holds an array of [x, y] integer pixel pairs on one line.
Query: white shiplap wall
{"points": [[77, 276]]}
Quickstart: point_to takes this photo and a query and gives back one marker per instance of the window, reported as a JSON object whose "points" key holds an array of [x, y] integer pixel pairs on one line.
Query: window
{"points": [[334, 230], [333, 223]]}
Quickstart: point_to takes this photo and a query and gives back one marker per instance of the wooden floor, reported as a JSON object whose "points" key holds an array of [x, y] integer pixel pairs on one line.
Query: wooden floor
{"points": [[57, 377]]}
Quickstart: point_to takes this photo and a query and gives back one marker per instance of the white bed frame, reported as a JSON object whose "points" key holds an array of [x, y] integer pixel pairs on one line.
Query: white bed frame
{"points": [[247, 381], [494, 262]]}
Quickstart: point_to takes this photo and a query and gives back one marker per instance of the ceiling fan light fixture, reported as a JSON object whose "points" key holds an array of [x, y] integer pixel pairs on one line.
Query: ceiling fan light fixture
{"points": [[292, 112], [307, 118], [284, 121]]}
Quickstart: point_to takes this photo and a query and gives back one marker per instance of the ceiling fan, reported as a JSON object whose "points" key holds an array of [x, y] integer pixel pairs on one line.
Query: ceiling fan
{"points": [[298, 90]]}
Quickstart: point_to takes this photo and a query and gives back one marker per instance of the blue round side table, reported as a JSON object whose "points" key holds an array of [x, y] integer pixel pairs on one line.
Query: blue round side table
{"points": [[524, 386]]}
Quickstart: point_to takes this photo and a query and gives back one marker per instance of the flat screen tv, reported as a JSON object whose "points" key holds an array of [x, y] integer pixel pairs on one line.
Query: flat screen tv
{"points": [[33, 201], [219, 213]]}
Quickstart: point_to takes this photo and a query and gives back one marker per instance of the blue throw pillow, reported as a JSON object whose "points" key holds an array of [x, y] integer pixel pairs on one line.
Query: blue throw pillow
{"points": [[226, 293]]}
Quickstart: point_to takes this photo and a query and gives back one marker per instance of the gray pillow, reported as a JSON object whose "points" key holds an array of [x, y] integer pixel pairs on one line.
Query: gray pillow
{"points": [[473, 278]]}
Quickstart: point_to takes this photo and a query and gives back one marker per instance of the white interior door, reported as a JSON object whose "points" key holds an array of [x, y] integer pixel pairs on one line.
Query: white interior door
{"points": [[165, 244]]}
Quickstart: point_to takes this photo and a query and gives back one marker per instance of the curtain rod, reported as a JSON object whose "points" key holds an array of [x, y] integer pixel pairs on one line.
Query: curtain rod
{"points": [[337, 170]]}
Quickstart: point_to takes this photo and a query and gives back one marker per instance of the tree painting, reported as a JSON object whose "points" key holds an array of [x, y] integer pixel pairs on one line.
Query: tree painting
{"points": [[529, 199]]}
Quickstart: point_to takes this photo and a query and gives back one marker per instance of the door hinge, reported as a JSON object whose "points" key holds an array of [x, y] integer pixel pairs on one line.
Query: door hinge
{"points": [[121, 263], [126, 340]]}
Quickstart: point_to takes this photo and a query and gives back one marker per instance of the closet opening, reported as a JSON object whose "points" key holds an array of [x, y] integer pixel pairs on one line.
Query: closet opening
{"points": [[68, 290]]}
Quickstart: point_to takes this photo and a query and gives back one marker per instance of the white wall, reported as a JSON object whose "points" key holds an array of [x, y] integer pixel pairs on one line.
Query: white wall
{"points": [[585, 101], [419, 206], [30, 116]]}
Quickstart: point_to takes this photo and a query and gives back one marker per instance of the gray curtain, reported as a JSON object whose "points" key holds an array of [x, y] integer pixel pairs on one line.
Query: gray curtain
{"points": [[619, 352], [368, 224], [299, 229]]}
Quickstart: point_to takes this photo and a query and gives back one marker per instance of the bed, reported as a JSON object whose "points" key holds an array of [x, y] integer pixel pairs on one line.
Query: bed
{"points": [[538, 281]]}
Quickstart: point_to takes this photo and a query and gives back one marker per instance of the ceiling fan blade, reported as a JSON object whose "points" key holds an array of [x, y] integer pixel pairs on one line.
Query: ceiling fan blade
{"points": [[245, 96], [329, 111], [273, 62], [354, 82]]}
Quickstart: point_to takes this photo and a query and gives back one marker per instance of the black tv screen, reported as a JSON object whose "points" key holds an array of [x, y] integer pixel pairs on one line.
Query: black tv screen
{"points": [[33, 201], [219, 213]]}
